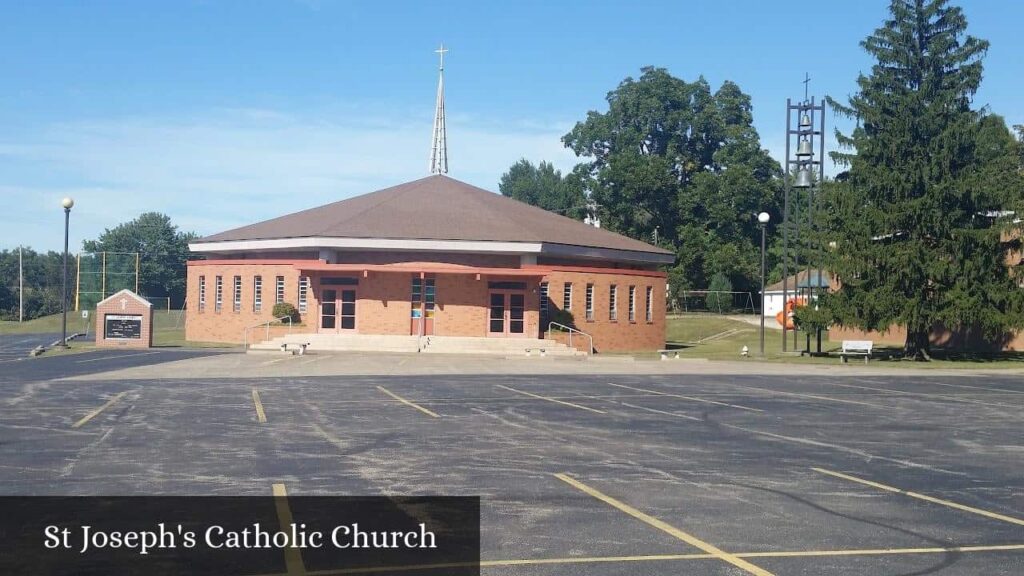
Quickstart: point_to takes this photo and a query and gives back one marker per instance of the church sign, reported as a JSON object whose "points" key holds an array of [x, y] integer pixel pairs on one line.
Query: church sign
{"points": [[124, 319]]}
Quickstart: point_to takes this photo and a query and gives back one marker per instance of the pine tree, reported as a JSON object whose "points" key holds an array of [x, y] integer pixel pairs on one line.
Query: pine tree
{"points": [[917, 222]]}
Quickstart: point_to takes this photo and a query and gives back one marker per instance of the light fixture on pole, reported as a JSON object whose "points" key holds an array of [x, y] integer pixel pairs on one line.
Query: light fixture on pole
{"points": [[762, 220], [67, 203]]}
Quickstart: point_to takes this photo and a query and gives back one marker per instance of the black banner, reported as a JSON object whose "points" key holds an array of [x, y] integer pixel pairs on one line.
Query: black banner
{"points": [[122, 327], [239, 536]]}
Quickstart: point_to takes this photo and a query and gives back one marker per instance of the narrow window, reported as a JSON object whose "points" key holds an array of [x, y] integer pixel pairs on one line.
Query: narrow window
{"points": [[417, 297], [567, 297], [279, 290], [236, 295], [429, 297], [632, 303], [257, 294], [613, 296], [303, 294], [650, 304], [590, 301], [202, 293], [218, 296], [543, 303]]}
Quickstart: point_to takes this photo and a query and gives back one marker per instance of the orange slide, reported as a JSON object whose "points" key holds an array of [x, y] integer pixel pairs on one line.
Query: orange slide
{"points": [[787, 312]]}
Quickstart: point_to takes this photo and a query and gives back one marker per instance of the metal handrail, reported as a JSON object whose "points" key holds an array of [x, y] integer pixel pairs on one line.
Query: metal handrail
{"points": [[570, 330], [245, 333]]}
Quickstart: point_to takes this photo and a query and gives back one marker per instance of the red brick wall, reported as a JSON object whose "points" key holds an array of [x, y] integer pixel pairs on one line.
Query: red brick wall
{"points": [[229, 326], [383, 303], [897, 336], [131, 306], [619, 335]]}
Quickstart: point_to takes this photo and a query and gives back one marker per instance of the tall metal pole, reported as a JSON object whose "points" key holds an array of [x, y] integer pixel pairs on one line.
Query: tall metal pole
{"points": [[21, 288], [763, 232], [785, 225], [64, 300]]}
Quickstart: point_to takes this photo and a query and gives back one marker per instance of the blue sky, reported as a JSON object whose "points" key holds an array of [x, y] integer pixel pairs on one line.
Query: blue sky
{"points": [[224, 113]]}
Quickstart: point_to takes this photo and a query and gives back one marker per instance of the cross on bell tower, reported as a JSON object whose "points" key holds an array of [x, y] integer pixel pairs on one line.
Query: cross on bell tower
{"points": [[439, 146]]}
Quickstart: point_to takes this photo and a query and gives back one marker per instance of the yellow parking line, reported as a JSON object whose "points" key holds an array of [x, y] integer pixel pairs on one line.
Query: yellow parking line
{"points": [[687, 398], [924, 497], [407, 402], [292, 555], [549, 399], [665, 527], [261, 416], [668, 557], [96, 412]]}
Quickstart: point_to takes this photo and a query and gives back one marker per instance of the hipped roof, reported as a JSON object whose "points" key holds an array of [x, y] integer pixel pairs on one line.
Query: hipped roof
{"points": [[435, 208]]}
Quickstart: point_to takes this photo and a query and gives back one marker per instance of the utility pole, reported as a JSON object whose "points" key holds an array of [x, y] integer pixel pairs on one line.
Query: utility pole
{"points": [[21, 288]]}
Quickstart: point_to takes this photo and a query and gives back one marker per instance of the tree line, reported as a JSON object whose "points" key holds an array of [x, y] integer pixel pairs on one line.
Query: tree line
{"points": [[162, 249], [921, 226]]}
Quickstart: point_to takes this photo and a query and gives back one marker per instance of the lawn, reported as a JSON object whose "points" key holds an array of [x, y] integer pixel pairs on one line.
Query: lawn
{"points": [[168, 328], [722, 338]]}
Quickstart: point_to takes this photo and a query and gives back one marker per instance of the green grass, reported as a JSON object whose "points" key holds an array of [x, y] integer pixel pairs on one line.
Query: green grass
{"points": [[688, 332], [168, 329]]}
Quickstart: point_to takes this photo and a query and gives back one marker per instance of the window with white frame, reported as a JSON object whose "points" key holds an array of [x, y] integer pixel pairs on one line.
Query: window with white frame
{"points": [[279, 290], [613, 304], [218, 294], [650, 304], [632, 303], [236, 295], [543, 302], [567, 297], [257, 294], [303, 294], [590, 301], [202, 293]]}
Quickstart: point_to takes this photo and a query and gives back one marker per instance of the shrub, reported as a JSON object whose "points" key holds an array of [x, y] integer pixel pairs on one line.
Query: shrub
{"points": [[282, 309]]}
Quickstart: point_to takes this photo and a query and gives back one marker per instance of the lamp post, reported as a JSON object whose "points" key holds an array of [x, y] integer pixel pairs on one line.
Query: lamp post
{"points": [[67, 203], [762, 220]]}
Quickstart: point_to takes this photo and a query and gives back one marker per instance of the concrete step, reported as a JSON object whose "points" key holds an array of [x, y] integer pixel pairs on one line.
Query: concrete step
{"points": [[430, 344]]}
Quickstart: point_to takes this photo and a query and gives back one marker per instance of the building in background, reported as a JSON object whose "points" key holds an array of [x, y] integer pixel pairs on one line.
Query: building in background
{"points": [[432, 257]]}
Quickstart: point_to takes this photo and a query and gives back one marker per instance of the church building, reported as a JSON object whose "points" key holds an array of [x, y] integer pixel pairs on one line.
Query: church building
{"points": [[431, 258]]}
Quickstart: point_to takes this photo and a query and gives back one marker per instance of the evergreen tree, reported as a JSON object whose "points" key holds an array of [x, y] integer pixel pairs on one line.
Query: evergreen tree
{"points": [[918, 216]]}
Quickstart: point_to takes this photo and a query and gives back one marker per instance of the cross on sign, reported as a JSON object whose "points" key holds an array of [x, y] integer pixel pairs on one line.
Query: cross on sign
{"points": [[124, 303]]}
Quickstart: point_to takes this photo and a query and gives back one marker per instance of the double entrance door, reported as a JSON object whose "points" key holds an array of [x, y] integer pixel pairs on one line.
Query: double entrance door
{"points": [[506, 314], [338, 310]]}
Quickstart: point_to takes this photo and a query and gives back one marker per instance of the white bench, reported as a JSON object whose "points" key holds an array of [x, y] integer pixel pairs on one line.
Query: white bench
{"points": [[856, 348], [543, 351], [294, 347], [666, 354]]}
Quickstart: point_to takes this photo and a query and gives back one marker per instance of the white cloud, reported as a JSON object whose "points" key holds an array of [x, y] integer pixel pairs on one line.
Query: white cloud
{"points": [[236, 166]]}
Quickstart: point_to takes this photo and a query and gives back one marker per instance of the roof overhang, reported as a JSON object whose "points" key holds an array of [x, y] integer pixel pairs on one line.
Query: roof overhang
{"points": [[415, 245], [416, 267]]}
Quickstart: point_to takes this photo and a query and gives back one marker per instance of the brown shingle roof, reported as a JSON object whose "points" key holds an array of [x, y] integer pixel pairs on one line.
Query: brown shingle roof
{"points": [[435, 208]]}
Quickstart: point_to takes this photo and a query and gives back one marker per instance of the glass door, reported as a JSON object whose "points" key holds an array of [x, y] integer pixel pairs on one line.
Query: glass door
{"points": [[507, 314], [328, 309], [496, 317], [348, 310]]}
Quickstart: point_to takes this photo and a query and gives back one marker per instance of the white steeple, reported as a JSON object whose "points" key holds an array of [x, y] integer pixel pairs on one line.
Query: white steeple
{"points": [[439, 147]]}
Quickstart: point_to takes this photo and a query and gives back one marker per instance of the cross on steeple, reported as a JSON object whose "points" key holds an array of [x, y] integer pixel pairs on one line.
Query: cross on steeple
{"points": [[806, 82], [442, 51], [439, 146]]}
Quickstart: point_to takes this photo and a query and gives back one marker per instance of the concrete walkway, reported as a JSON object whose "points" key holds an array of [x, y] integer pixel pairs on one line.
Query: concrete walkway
{"points": [[365, 364]]}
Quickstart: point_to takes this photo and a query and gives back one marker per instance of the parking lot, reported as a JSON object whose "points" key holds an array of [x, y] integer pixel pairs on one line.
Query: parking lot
{"points": [[618, 473]]}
